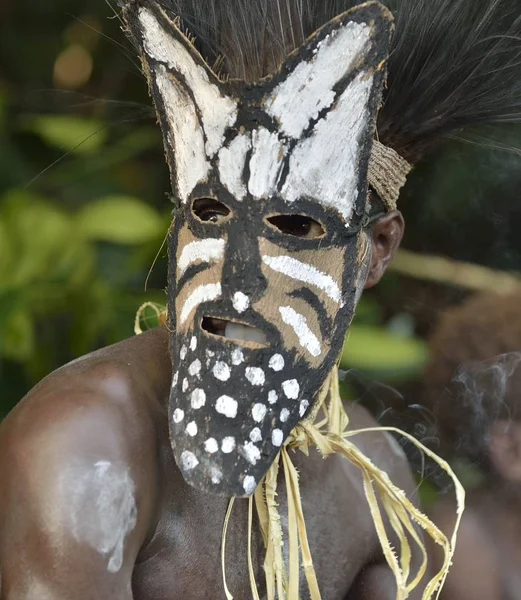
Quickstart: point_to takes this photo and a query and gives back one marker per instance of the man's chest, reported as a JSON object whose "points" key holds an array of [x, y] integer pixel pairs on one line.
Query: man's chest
{"points": [[184, 559]]}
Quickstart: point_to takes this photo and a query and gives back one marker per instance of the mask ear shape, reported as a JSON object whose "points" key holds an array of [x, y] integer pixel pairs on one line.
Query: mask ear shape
{"points": [[190, 100], [326, 100]]}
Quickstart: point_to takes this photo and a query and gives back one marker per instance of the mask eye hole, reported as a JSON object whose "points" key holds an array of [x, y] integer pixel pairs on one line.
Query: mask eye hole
{"points": [[297, 226], [210, 210]]}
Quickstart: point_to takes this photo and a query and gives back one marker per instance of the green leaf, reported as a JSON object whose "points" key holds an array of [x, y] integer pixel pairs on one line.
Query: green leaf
{"points": [[120, 220], [378, 352], [18, 336], [69, 133]]}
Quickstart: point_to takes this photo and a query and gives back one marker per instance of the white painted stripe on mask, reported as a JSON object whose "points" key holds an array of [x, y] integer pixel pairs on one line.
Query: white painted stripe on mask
{"points": [[204, 293], [266, 163], [306, 273], [299, 324], [205, 251], [231, 165]]}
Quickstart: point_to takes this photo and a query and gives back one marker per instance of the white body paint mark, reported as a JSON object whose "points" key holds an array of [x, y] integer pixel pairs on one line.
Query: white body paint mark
{"points": [[284, 415], [203, 251], [204, 293], [191, 429], [304, 405], [251, 453], [221, 371], [255, 376], [228, 445], [183, 353], [325, 165], [231, 165], [237, 357], [295, 269], [266, 163], [188, 461], [198, 399], [307, 339], [256, 435], [309, 89], [100, 507], [185, 136], [227, 406], [241, 302], [195, 368], [291, 389], [211, 446], [193, 344], [185, 384], [273, 397], [178, 415], [277, 363], [249, 484], [218, 112], [259, 412], [277, 437]]}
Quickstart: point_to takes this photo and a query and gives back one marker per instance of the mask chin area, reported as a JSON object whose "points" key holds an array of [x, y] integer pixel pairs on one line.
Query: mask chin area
{"points": [[239, 333]]}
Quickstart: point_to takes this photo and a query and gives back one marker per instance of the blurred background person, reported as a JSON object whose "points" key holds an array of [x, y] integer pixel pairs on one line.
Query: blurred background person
{"points": [[473, 382]]}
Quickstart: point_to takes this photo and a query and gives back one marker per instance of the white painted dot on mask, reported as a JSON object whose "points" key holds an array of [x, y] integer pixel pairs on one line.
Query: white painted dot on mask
{"points": [[284, 415], [175, 379], [277, 362], [211, 446], [191, 429], [183, 353], [195, 368], [291, 389], [228, 445], [188, 461], [256, 435], [193, 344], [259, 412], [251, 453], [178, 415], [210, 353], [227, 406], [237, 357], [273, 397], [249, 484], [221, 371], [241, 302], [255, 376], [217, 476], [304, 405], [185, 384], [277, 437], [198, 399]]}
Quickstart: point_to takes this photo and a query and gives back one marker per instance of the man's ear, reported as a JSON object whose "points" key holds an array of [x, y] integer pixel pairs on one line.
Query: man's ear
{"points": [[505, 449], [386, 236]]}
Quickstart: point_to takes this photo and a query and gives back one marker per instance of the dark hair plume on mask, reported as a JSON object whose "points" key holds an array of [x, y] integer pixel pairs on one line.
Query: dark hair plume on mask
{"points": [[454, 63]]}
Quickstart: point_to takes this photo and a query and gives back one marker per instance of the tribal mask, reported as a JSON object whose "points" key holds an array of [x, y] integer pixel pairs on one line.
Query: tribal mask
{"points": [[268, 255]]}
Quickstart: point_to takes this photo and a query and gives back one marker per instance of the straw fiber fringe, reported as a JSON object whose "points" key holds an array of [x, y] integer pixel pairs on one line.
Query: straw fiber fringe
{"points": [[387, 173], [329, 435]]}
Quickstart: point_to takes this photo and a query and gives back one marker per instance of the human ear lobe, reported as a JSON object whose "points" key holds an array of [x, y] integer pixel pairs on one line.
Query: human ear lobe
{"points": [[386, 236]]}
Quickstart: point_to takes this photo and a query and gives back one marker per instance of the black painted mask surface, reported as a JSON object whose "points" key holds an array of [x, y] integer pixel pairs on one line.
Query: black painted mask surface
{"points": [[267, 254]]}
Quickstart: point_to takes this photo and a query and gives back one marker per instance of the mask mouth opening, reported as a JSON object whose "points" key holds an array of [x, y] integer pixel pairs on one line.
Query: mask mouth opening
{"points": [[239, 333]]}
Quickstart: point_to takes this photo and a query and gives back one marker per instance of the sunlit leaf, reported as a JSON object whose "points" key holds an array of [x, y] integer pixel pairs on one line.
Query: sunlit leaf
{"points": [[377, 351], [67, 132], [121, 220]]}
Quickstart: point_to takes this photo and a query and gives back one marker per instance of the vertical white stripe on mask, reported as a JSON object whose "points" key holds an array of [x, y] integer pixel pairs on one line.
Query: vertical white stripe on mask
{"points": [[206, 251], [306, 273], [204, 293], [299, 324]]}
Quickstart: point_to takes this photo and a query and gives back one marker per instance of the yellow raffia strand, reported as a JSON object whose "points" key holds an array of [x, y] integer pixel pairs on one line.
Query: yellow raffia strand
{"points": [[330, 436], [157, 308]]}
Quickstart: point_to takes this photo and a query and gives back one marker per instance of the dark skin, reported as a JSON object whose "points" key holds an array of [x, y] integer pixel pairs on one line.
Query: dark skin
{"points": [[487, 561], [109, 409]]}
